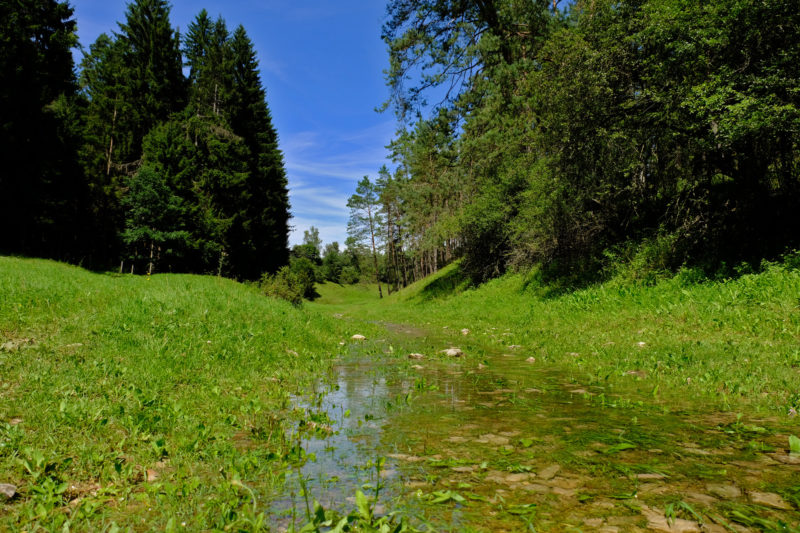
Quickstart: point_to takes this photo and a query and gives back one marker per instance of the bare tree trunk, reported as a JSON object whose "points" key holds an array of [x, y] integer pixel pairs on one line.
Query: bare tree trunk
{"points": [[150, 269], [111, 143], [374, 253]]}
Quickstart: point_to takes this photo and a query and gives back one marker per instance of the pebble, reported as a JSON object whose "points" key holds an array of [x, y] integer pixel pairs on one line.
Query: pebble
{"points": [[358, 337], [7, 491]]}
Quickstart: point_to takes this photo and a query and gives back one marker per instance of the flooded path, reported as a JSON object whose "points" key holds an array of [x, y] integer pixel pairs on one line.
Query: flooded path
{"points": [[502, 444]]}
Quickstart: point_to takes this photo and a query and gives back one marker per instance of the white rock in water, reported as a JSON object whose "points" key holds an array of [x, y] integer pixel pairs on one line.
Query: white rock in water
{"points": [[465, 331], [358, 337], [453, 352], [415, 356]]}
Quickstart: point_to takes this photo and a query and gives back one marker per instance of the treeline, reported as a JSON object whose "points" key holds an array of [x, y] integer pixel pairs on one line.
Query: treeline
{"points": [[131, 161], [653, 132]]}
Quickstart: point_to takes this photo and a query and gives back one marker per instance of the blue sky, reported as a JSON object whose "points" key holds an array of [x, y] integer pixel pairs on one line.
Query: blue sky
{"points": [[322, 65]]}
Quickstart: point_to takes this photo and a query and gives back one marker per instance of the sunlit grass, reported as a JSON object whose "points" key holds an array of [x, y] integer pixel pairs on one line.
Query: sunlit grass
{"points": [[731, 342], [126, 400]]}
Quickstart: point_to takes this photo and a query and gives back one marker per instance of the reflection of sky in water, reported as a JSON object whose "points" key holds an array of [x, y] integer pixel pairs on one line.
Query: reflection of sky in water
{"points": [[340, 467], [515, 416]]}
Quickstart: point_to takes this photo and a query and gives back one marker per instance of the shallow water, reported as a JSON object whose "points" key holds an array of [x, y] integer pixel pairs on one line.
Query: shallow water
{"points": [[513, 446]]}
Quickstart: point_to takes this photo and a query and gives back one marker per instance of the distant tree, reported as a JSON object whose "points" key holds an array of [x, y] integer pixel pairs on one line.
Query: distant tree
{"points": [[332, 262], [311, 238], [364, 219]]}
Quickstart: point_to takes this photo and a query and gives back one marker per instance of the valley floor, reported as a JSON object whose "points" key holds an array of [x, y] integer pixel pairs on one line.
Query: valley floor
{"points": [[195, 403]]}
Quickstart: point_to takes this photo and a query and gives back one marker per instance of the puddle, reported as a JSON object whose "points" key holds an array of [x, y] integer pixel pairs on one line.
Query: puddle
{"points": [[516, 447]]}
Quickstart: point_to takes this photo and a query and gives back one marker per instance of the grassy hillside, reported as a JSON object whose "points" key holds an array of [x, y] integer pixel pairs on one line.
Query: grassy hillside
{"points": [[127, 401], [733, 343]]}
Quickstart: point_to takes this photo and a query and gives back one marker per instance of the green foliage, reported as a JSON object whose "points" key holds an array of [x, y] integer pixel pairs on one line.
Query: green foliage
{"points": [[47, 206], [305, 273], [655, 134], [284, 284]]}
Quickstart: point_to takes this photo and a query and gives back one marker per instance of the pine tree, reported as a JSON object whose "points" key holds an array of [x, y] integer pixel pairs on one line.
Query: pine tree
{"points": [[259, 236], [153, 67], [44, 196], [209, 58]]}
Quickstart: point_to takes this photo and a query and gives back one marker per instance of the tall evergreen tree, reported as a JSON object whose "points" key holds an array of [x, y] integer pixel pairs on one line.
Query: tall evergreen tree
{"points": [[259, 235], [44, 197], [209, 58], [153, 67]]}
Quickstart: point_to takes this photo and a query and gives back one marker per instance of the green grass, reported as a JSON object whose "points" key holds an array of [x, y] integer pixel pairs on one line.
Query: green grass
{"points": [[129, 403], [107, 380], [734, 343]]}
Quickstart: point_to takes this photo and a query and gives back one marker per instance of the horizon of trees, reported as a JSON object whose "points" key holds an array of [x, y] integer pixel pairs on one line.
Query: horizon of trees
{"points": [[129, 160], [650, 133]]}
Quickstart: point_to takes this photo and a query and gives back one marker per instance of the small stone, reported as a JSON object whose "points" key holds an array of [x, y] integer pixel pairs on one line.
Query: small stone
{"points": [[769, 499], [7, 491], [358, 337], [514, 346], [494, 440], [724, 491], [465, 331], [15, 421], [549, 472], [656, 521], [530, 360], [415, 356], [699, 497], [453, 352], [787, 459], [641, 344], [417, 367], [574, 354], [481, 366], [650, 476]]}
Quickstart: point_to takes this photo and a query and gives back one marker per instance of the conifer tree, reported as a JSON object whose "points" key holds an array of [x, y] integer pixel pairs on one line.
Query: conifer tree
{"points": [[209, 58], [44, 197], [153, 67], [259, 236]]}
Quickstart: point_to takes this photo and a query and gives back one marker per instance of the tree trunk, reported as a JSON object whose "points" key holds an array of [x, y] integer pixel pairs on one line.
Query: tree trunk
{"points": [[111, 143], [374, 253]]}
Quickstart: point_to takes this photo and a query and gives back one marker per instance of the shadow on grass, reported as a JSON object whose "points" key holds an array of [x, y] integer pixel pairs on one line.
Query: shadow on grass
{"points": [[447, 284]]}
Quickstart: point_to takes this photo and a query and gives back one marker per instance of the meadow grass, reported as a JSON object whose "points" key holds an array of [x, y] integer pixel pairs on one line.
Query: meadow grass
{"points": [[734, 343], [148, 403], [168, 403]]}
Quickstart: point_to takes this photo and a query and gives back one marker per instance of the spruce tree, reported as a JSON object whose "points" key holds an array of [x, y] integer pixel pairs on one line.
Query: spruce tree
{"points": [[259, 235], [208, 56], [44, 196], [153, 67]]}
